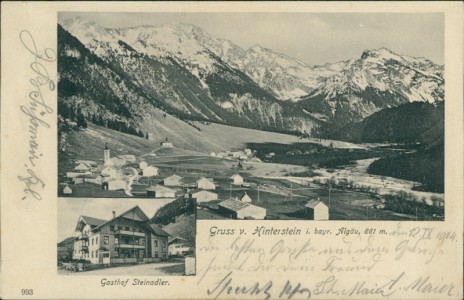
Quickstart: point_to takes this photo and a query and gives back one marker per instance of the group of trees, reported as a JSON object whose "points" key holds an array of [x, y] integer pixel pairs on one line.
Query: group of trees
{"points": [[168, 213], [75, 114], [407, 203]]}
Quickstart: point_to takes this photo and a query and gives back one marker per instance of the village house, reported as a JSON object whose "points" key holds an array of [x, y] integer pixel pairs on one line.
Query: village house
{"points": [[130, 158], [67, 190], [139, 189], [78, 179], [236, 209], [89, 163], [166, 144], [143, 165], [206, 184], [245, 198], [127, 238], [65, 249], [173, 180], [236, 179], [159, 191], [150, 171], [114, 185], [110, 173], [179, 247], [317, 210], [96, 179], [203, 196], [82, 167], [76, 174]]}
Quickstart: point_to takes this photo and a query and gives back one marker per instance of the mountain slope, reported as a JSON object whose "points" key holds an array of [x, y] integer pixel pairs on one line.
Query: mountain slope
{"points": [[188, 73], [217, 93], [413, 122], [378, 80]]}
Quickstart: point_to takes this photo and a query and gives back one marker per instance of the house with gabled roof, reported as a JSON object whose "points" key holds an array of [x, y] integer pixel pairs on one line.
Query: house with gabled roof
{"points": [[82, 167], [236, 179], [317, 210], [126, 238], [205, 183], [236, 209], [159, 191], [150, 171], [173, 180], [245, 198], [203, 195]]}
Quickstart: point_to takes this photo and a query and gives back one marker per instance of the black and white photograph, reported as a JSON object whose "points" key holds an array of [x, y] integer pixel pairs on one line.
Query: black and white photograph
{"points": [[250, 116], [126, 237]]}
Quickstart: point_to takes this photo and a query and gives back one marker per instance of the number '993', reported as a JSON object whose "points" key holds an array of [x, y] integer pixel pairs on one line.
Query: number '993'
{"points": [[27, 292]]}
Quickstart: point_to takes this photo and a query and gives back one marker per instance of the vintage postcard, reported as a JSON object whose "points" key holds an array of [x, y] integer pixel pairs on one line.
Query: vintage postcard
{"points": [[244, 150]]}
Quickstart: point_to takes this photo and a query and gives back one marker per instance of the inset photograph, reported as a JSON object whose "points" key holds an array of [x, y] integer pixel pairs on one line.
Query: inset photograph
{"points": [[126, 237]]}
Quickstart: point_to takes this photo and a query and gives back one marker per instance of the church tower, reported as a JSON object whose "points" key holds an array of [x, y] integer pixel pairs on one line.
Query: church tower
{"points": [[106, 154]]}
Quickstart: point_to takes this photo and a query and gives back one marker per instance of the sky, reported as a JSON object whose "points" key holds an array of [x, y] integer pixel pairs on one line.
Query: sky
{"points": [[69, 210], [313, 38]]}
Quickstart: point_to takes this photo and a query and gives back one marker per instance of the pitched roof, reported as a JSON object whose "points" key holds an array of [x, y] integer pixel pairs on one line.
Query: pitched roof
{"points": [[313, 203], [196, 191], [245, 196], [235, 176], [144, 216], [204, 178], [174, 177], [175, 239], [158, 230], [159, 188], [233, 204], [92, 221]]}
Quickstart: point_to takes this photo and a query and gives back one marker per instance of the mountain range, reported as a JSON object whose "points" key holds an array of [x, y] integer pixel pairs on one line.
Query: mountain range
{"points": [[132, 75]]}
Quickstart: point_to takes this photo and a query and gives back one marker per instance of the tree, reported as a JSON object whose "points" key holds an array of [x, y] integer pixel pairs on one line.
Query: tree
{"points": [[81, 122]]}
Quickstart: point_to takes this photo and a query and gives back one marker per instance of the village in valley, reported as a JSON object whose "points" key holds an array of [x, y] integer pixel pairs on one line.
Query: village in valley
{"points": [[239, 183], [226, 195]]}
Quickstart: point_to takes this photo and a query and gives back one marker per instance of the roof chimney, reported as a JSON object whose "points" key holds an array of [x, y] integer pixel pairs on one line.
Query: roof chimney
{"points": [[114, 214]]}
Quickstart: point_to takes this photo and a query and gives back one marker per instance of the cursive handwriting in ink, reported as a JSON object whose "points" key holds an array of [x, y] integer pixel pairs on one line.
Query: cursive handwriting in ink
{"points": [[225, 285], [36, 110]]}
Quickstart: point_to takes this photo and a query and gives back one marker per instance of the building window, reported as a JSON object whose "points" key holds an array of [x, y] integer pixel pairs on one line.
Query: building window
{"points": [[127, 228], [116, 240], [116, 254], [119, 227], [107, 240], [140, 230], [164, 254], [156, 254], [92, 254], [156, 243], [111, 227], [136, 241], [92, 241], [96, 240], [164, 244], [142, 242]]}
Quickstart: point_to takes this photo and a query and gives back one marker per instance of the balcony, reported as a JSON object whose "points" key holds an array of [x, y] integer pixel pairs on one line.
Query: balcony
{"points": [[84, 248], [131, 246], [130, 233], [83, 237]]}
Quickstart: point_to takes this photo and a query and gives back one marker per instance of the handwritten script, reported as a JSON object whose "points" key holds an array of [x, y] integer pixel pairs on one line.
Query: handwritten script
{"points": [[36, 110], [305, 262]]}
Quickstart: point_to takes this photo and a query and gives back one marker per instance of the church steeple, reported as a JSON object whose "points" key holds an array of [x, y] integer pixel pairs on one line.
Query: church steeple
{"points": [[106, 154]]}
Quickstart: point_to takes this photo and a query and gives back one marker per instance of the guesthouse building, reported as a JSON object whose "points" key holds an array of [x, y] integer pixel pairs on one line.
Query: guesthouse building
{"points": [[126, 238]]}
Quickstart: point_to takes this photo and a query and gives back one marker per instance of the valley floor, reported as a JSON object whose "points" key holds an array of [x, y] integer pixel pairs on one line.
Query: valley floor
{"points": [[270, 185]]}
